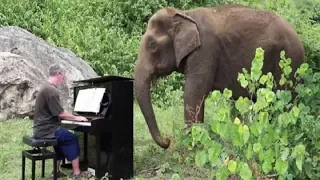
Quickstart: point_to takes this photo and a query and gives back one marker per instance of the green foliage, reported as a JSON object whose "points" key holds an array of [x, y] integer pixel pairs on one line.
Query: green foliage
{"points": [[107, 33], [276, 136], [302, 15], [309, 7]]}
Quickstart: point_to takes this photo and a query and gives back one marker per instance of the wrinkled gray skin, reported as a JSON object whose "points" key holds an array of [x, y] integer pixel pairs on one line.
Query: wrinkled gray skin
{"points": [[209, 46]]}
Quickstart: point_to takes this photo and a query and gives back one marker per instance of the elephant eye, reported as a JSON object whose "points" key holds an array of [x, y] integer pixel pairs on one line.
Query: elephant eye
{"points": [[152, 45]]}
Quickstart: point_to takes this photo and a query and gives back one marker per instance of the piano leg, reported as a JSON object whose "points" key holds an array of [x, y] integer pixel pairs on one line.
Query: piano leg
{"points": [[109, 160], [98, 157], [85, 148]]}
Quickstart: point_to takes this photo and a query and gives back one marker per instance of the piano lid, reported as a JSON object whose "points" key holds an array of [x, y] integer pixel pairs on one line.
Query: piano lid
{"points": [[104, 79]]}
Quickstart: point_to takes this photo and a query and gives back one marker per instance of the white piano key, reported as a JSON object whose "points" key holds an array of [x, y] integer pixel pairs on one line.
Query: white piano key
{"points": [[80, 123]]}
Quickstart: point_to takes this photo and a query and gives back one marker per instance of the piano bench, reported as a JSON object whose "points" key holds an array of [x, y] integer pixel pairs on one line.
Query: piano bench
{"points": [[38, 152]]}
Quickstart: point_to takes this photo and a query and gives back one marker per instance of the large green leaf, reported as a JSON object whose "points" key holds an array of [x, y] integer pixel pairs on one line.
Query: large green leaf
{"points": [[245, 171], [281, 166], [257, 147], [232, 166], [266, 167], [214, 152], [222, 173], [249, 152], [201, 158]]}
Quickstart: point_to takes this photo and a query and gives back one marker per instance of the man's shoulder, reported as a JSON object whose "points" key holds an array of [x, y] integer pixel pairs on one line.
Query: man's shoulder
{"points": [[48, 88]]}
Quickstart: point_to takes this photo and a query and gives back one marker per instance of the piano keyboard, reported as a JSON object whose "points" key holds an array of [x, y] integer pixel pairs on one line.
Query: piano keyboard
{"points": [[80, 123]]}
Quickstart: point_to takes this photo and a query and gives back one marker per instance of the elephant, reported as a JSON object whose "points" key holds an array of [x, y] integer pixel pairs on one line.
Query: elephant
{"points": [[209, 46]]}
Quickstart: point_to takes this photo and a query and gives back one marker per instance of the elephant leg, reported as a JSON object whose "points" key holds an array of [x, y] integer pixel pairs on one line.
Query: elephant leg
{"points": [[195, 92]]}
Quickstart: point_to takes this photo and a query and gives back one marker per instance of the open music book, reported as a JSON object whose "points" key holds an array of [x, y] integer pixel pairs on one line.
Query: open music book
{"points": [[88, 100]]}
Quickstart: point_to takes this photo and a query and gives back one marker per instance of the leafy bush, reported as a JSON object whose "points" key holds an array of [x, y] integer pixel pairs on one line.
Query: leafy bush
{"points": [[310, 7], [302, 19], [276, 136]]}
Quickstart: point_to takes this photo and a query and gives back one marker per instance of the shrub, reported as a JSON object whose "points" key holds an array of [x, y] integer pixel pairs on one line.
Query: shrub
{"points": [[276, 136]]}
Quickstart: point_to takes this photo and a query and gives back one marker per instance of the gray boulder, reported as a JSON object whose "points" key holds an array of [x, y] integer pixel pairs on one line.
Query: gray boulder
{"points": [[24, 63]]}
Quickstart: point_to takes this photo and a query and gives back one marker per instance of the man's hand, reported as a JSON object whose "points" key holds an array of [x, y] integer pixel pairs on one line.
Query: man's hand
{"points": [[81, 118], [66, 115]]}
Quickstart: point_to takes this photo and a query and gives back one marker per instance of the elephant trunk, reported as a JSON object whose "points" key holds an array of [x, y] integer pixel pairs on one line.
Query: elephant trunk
{"points": [[142, 85]]}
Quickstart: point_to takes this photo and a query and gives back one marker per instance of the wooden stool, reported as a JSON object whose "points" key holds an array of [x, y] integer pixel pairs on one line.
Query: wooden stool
{"points": [[39, 152]]}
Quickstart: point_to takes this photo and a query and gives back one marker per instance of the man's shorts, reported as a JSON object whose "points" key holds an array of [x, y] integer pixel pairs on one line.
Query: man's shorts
{"points": [[68, 146]]}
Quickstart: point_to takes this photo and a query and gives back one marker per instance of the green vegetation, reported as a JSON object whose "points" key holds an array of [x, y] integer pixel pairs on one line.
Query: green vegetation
{"points": [[107, 33], [278, 136]]}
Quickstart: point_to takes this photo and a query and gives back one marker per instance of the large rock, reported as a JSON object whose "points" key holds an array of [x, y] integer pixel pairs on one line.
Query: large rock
{"points": [[24, 64]]}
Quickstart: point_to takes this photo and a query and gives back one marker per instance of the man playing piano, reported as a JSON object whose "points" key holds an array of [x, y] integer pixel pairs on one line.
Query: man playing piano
{"points": [[48, 112]]}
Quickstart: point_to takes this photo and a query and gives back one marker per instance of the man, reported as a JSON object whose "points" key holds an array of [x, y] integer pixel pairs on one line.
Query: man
{"points": [[48, 112]]}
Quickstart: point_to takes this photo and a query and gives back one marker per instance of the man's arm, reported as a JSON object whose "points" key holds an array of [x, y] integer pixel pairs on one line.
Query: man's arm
{"points": [[57, 110], [69, 116]]}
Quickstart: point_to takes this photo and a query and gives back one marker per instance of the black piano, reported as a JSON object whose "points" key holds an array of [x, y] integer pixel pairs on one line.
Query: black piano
{"points": [[106, 140]]}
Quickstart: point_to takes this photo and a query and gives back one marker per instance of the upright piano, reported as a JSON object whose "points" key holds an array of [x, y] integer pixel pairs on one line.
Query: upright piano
{"points": [[106, 140]]}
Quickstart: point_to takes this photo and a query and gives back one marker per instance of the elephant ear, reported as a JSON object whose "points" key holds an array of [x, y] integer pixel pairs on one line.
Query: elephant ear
{"points": [[186, 36]]}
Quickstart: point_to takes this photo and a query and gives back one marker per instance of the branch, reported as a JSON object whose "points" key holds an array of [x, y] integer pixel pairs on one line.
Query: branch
{"points": [[150, 169], [271, 176]]}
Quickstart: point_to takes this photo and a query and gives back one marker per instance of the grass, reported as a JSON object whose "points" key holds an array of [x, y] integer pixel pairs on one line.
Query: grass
{"points": [[150, 161]]}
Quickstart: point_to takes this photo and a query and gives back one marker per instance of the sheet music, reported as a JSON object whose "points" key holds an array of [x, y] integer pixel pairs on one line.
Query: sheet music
{"points": [[88, 100]]}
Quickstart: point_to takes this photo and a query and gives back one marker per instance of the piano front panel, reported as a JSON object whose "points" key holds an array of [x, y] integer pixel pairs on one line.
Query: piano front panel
{"points": [[106, 145]]}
